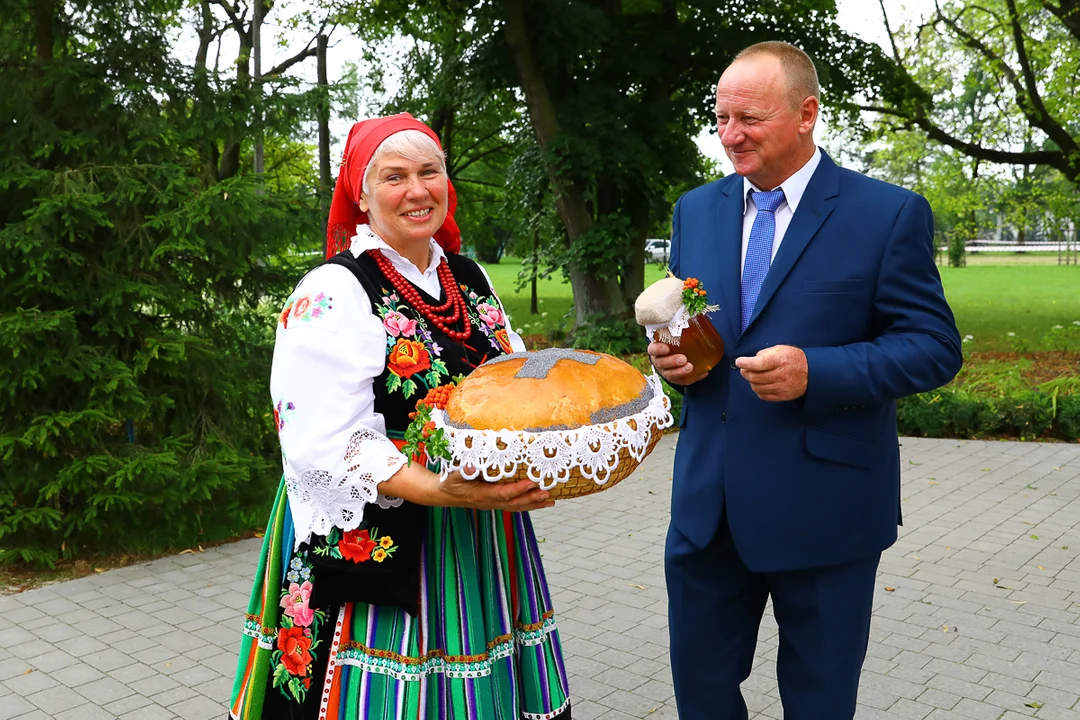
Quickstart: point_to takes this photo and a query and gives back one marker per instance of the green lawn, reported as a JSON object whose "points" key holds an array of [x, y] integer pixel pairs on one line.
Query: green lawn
{"points": [[992, 300], [989, 301]]}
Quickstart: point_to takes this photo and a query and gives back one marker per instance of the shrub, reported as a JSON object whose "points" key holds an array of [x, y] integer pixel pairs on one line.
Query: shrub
{"points": [[137, 312]]}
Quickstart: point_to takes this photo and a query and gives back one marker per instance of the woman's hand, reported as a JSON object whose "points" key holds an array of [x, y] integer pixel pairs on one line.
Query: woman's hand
{"points": [[480, 494], [417, 484]]}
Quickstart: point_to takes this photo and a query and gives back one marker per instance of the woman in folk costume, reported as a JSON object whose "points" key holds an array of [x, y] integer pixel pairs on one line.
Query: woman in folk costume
{"points": [[381, 592]]}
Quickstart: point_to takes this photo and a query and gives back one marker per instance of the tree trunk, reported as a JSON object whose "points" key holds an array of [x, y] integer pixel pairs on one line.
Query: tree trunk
{"points": [[43, 29], [592, 295], [534, 304], [326, 180]]}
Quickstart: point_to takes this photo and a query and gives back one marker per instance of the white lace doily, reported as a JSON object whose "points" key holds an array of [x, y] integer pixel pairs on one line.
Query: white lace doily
{"points": [[549, 456], [323, 499], [670, 332]]}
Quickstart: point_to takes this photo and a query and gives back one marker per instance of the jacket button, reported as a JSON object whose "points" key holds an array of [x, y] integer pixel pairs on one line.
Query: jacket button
{"points": [[723, 418], [733, 365]]}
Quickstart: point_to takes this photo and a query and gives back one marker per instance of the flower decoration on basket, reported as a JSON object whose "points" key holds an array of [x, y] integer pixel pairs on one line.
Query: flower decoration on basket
{"points": [[572, 421], [675, 312], [422, 438]]}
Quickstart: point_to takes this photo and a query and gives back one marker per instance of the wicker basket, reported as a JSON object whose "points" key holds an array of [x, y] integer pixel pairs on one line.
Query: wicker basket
{"points": [[572, 481], [577, 485]]}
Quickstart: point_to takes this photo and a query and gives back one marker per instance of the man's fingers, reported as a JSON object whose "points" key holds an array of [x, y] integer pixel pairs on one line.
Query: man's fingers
{"points": [[658, 349], [669, 362], [758, 363], [769, 377]]}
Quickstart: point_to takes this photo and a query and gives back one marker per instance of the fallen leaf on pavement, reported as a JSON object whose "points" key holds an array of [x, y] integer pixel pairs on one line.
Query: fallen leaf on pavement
{"points": [[889, 589]]}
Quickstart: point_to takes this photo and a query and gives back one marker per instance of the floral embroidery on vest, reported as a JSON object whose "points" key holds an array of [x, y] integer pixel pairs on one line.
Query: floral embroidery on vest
{"points": [[298, 633], [305, 308], [488, 315], [412, 354]]}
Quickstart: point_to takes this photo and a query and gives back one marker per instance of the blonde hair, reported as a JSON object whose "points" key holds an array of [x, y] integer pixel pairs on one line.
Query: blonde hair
{"points": [[800, 74], [412, 145]]}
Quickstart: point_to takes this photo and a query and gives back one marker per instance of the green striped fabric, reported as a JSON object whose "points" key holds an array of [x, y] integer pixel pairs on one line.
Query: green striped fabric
{"points": [[485, 646]]}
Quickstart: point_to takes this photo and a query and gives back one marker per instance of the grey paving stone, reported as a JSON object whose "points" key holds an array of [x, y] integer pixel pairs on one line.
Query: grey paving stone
{"points": [[55, 700], [14, 706], [164, 634], [104, 691]]}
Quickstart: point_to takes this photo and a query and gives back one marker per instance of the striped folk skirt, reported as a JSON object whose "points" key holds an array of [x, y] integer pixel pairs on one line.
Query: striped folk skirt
{"points": [[483, 647]]}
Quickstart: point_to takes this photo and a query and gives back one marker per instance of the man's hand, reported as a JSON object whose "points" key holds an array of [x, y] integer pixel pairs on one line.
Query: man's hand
{"points": [[776, 374], [673, 368]]}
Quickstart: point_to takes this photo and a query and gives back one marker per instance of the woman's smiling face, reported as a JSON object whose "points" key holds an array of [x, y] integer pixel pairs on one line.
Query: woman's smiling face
{"points": [[407, 201]]}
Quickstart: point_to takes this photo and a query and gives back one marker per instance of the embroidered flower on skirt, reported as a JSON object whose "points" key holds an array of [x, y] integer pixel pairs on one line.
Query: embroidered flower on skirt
{"points": [[297, 637]]}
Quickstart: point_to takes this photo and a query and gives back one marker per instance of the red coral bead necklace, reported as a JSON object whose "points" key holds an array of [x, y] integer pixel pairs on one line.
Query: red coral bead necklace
{"points": [[435, 313]]}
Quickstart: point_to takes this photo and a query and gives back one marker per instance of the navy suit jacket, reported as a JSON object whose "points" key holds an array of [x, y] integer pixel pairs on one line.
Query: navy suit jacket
{"points": [[815, 481]]}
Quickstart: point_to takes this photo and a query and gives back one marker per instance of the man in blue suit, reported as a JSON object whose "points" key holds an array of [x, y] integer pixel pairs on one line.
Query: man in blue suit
{"points": [[787, 472]]}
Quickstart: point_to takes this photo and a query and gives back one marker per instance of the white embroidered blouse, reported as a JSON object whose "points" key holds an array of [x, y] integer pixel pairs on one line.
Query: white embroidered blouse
{"points": [[330, 347]]}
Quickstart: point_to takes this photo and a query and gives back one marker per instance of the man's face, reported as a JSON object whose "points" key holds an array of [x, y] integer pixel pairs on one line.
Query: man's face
{"points": [[763, 135]]}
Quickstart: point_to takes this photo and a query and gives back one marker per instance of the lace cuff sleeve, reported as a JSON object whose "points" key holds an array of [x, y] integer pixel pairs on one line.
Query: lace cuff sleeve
{"points": [[324, 499], [333, 443]]}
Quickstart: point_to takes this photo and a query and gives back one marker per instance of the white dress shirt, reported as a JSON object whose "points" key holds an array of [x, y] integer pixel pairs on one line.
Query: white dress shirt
{"points": [[333, 443], [793, 188]]}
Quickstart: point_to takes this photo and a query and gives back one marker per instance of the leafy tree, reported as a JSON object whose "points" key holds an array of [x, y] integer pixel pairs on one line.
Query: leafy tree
{"points": [[615, 92], [1025, 52]]}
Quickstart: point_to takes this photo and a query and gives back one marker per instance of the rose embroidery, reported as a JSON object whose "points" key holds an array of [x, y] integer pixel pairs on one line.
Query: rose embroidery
{"points": [[412, 353], [407, 358], [397, 324], [492, 315], [489, 317], [357, 545], [295, 648], [297, 633], [296, 605], [302, 305], [305, 308]]}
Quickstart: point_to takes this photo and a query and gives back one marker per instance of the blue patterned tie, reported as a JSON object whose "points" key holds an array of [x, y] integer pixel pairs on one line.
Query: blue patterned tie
{"points": [[759, 249]]}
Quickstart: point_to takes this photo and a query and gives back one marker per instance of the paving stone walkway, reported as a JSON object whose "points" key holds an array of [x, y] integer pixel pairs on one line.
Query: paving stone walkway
{"points": [[977, 609]]}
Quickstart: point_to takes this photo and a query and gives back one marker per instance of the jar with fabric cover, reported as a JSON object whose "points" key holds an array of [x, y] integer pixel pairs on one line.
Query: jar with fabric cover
{"points": [[675, 312]]}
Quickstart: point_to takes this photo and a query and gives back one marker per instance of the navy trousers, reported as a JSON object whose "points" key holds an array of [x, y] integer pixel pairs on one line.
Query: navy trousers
{"points": [[715, 606]]}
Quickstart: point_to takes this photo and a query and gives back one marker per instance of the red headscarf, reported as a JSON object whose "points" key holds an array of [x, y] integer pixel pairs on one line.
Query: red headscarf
{"points": [[345, 214]]}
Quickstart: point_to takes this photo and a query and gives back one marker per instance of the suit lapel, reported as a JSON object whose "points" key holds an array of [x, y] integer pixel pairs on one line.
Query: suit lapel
{"points": [[815, 206], [729, 219]]}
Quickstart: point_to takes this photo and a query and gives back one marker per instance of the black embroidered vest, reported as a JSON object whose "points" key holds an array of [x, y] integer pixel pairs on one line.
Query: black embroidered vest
{"points": [[419, 357]]}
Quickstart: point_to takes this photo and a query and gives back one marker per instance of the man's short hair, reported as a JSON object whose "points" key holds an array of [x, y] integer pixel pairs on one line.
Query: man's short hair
{"points": [[799, 70]]}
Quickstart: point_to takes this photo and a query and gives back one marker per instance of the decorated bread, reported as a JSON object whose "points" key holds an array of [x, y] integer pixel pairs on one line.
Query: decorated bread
{"points": [[573, 421]]}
